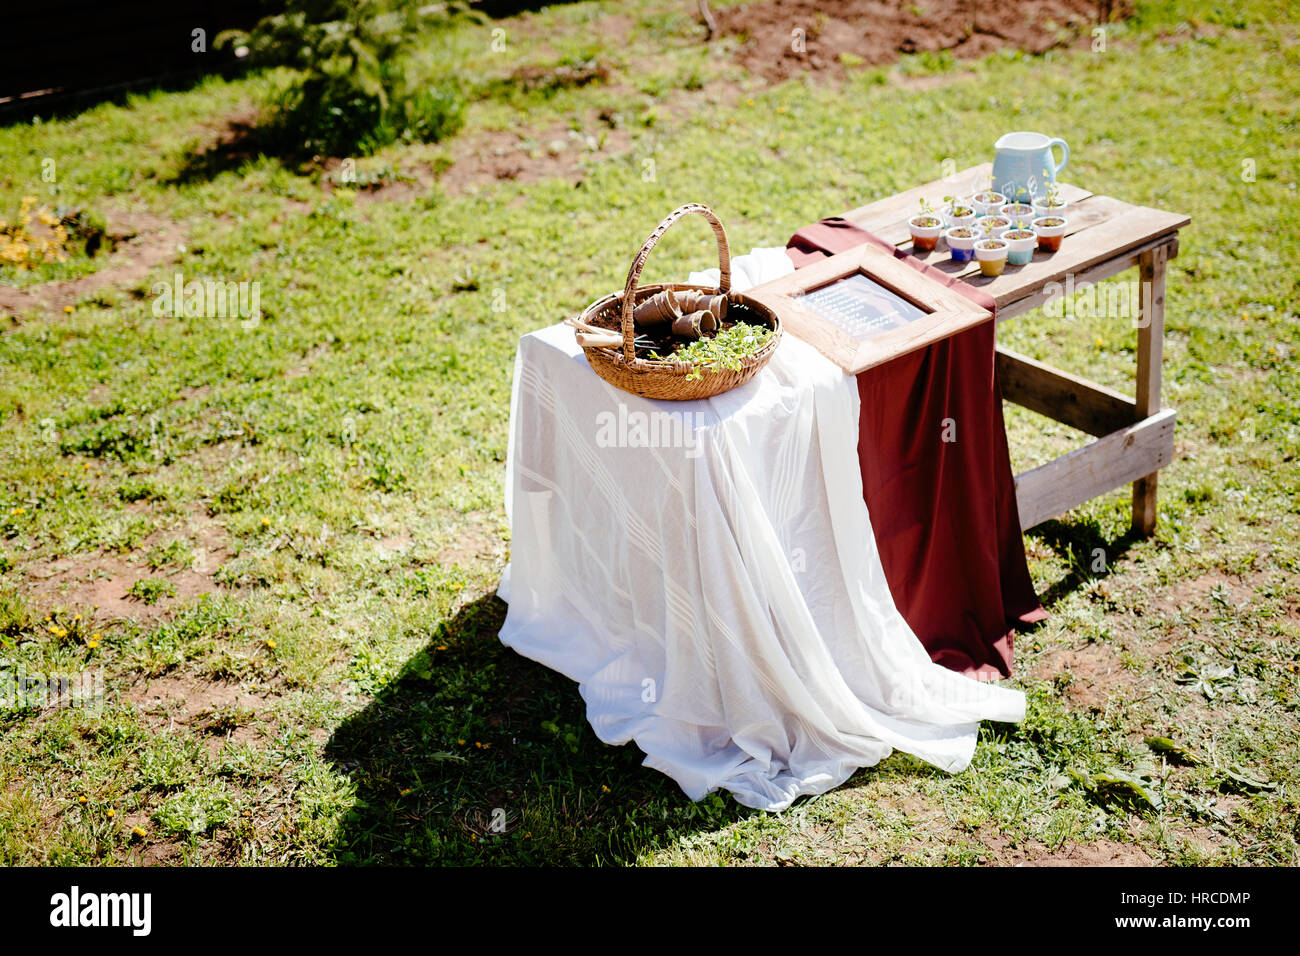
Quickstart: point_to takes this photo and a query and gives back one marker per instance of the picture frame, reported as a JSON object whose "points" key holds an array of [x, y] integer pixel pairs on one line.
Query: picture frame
{"points": [[858, 335]]}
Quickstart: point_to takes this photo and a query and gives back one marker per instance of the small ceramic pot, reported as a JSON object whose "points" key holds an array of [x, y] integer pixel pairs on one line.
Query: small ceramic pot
{"points": [[926, 228], [987, 202], [1020, 245], [1017, 210], [1041, 208], [996, 225], [992, 256], [960, 213], [1050, 230], [961, 243]]}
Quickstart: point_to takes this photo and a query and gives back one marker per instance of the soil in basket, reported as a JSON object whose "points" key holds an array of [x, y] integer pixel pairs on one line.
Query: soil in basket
{"points": [[665, 344]]}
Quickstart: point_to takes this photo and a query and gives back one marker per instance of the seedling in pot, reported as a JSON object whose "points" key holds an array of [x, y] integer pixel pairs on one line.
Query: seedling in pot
{"points": [[961, 242], [1020, 243], [1050, 203], [926, 227], [958, 212], [992, 256], [994, 226], [987, 202], [1017, 210], [1050, 230]]}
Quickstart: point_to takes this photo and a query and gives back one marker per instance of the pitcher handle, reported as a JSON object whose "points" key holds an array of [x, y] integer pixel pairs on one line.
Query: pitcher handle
{"points": [[1065, 153]]}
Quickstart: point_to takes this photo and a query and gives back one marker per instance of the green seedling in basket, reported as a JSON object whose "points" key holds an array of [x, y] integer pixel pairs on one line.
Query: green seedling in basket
{"points": [[726, 350]]}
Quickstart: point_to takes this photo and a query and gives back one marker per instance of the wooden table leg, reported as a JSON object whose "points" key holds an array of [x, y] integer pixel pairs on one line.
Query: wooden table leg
{"points": [[1150, 350]]}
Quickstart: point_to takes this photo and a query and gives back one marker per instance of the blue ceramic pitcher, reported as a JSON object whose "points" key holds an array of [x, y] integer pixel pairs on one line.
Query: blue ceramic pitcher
{"points": [[1024, 165]]}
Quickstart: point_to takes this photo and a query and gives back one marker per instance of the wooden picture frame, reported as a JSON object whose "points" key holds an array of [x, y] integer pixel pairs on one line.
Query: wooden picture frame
{"points": [[949, 312]]}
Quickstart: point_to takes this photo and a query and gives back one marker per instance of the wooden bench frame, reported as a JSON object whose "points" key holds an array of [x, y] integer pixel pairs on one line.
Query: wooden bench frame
{"points": [[1135, 436]]}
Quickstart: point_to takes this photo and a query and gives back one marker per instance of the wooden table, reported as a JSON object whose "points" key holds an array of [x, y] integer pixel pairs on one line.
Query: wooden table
{"points": [[1135, 436]]}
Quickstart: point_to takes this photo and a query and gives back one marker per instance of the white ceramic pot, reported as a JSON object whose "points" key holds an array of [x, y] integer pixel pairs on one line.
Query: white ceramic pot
{"points": [[961, 246], [1017, 210], [925, 237], [953, 220], [1041, 208], [988, 206], [1049, 236], [1020, 245], [991, 255], [995, 231]]}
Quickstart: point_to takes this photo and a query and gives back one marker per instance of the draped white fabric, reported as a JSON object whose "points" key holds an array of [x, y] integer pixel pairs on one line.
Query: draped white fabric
{"points": [[707, 573]]}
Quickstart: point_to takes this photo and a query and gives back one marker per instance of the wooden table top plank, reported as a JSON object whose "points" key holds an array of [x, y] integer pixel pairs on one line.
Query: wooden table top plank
{"points": [[1133, 227]]}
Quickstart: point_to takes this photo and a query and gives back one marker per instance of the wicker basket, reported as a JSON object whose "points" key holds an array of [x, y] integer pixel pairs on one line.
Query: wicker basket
{"points": [[666, 378]]}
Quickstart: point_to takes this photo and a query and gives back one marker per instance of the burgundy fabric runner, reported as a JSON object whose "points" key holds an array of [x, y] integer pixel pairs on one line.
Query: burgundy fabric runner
{"points": [[944, 512]]}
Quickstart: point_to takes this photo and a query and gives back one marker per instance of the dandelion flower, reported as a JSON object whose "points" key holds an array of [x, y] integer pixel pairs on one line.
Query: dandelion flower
{"points": [[92, 644], [67, 308], [270, 642], [604, 788], [138, 830], [82, 799], [110, 812]]}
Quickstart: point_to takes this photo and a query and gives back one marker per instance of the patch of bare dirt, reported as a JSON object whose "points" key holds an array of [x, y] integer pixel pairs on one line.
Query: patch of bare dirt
{"points": [[526, 156], [786, 38], [1004, 852], [477, 540], [140, 241], [1092, 675], [532, 77], [616, 27], [395, 544], [187, 700], [1199, 593], [101, 580], [221, 712]]}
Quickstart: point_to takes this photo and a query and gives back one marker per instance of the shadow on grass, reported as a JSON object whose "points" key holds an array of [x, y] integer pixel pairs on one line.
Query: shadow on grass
{"points": [[1086, 551], [243, 139], [473, 738]]}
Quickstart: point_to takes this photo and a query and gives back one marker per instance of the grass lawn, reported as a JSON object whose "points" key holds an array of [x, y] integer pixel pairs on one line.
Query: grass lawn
{"points": [[280, 540]]}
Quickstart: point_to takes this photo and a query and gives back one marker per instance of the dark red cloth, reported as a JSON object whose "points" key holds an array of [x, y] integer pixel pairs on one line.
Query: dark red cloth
{"points": [[944, 512]]}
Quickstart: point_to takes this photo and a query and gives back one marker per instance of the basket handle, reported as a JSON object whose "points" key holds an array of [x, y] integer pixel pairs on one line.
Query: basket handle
{"points": [[634, 273]]}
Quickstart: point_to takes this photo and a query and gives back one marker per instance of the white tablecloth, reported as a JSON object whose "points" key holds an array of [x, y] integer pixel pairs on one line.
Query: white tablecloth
{"points": [[707, 573]]}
